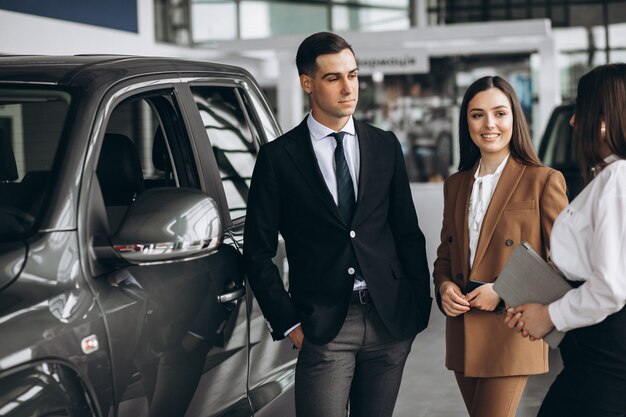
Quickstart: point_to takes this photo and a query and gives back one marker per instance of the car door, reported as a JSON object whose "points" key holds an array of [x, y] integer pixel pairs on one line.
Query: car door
{"points": [[168, 327], [237, 121]]}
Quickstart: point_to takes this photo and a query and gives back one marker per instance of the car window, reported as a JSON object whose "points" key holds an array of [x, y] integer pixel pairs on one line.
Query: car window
{"points": [[559, 151], [234, 140], [270, 127], [145, 146], [31, 125]]}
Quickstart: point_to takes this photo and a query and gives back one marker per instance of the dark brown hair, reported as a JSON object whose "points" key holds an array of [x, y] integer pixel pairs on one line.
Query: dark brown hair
{"points": [[521, 145], [320, 43], [601, 98]]}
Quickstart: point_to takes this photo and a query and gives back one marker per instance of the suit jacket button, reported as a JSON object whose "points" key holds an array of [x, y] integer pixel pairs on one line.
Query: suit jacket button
{"points": [[352, 234], [351, 271], [509, 242], [459, 277], [449, 239]]}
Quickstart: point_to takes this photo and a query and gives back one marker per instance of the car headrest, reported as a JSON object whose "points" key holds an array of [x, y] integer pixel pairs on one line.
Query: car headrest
{"points": [[8, 167], [160, 156], [119, 170]]}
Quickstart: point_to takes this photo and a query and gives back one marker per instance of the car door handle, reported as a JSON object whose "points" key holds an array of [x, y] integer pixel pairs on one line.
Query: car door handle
{"points": [[235, 294]]}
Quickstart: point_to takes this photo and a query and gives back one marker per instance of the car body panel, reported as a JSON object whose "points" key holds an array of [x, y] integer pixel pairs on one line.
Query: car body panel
{"points": [[48, 310], [12, 260], [44, 388]]}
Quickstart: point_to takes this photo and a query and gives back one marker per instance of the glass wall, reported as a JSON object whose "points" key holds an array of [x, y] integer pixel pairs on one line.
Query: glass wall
{"points": [[562, 13], [583, 48], [262, 19], [587, 32], [349, 17], [192, 22]]}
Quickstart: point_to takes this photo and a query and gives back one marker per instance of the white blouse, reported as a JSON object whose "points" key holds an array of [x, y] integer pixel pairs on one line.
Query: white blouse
{"points": [[588, 243], [482, 191]]}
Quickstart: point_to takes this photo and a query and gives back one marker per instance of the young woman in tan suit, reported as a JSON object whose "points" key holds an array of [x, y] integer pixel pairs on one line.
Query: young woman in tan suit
{"points": [[501, 196]]}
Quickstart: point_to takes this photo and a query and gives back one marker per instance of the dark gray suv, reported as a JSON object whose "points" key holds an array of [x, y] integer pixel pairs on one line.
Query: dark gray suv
{"points": [[557, 150], [123, 188]]}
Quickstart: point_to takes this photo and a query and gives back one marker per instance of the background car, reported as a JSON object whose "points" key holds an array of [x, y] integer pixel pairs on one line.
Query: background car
{"points": [[123, 188], [431, 137], [556, 148]]}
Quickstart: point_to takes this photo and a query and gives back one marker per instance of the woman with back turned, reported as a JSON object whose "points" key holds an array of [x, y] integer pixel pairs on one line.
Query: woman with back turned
{"points": [[501, 196], [588, 247]]}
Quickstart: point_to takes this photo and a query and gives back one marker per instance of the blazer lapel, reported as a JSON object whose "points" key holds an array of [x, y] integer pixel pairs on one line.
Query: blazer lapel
{"points": [[301, 151], [462, 205], [511, 176]]}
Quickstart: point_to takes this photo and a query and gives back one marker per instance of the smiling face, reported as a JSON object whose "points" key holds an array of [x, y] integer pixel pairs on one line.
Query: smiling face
{"points": [[334, 88], [490, 123]]}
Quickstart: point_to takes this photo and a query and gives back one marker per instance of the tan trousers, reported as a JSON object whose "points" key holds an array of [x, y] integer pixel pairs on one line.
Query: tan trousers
{"points": [[491, 397]]}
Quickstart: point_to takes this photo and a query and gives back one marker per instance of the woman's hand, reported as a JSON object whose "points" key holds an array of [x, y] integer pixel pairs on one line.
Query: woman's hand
{"points": [[484, 298], [531, 320], [452, 299]]}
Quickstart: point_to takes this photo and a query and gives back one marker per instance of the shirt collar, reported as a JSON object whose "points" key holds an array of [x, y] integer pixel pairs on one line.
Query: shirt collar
{"points": [[498, 170], [607, 161], [318, 131], [611, 158]]}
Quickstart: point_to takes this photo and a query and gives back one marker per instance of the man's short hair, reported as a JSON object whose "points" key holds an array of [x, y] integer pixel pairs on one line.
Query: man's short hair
{"points": [[320, 43]]}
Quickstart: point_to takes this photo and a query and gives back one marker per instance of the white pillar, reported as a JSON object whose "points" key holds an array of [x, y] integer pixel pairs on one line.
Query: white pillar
{"points": [[288, 91], [421, 13], [549, 83], [146, 21]]}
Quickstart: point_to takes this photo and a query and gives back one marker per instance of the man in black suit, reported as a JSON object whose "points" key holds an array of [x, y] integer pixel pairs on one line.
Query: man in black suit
{"points": [[337, 190]]}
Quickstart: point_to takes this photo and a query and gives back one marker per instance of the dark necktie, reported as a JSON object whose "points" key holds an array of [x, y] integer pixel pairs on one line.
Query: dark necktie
{"points": [[345, 189]]}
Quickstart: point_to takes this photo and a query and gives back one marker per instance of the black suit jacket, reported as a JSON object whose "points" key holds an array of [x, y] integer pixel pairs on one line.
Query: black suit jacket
{"points": [[288, 194]]}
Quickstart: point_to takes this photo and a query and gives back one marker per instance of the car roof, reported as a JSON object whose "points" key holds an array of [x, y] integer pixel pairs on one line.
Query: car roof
{"points": [[79, 69]]}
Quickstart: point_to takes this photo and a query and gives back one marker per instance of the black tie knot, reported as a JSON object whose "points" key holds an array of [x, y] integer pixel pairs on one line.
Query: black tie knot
{"points": [[338, 137]]}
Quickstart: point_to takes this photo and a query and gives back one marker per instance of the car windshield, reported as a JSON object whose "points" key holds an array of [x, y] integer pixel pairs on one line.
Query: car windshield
{"points": [[31, 122]]}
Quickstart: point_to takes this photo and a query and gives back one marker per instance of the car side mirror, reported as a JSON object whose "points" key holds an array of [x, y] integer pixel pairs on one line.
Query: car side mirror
{"points": [[166, 224]]}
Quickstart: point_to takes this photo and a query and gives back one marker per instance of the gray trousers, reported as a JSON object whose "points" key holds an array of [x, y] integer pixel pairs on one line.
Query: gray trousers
{"points": [[360, 369]]}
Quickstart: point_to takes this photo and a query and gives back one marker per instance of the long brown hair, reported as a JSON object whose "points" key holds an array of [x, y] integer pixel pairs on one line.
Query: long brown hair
{"points": [[521, 146], [601, 98]]}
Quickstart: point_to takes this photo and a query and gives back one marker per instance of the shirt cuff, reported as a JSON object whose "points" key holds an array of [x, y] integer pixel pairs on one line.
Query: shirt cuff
{"points": [[291, 329], [556, 315]]}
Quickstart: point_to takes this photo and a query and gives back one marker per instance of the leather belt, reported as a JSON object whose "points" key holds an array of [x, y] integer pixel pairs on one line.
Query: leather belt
{"points": [[361, 297]]}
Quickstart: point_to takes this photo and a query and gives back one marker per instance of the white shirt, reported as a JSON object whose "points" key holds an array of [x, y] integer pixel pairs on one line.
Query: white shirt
{"points": [[588, 243], [482, 191], [324, 148]]}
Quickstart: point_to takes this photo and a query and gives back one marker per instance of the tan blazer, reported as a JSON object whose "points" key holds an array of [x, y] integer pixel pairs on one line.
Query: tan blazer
{"points": [[525, 203]]}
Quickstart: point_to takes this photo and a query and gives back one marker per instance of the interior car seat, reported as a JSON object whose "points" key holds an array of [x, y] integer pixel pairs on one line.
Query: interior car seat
{"points": [[120, 176]]}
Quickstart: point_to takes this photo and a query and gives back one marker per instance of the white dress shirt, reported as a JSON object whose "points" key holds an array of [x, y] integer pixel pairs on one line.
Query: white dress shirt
{"points": [[324, 148], [482, 191], [588, 243]]}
